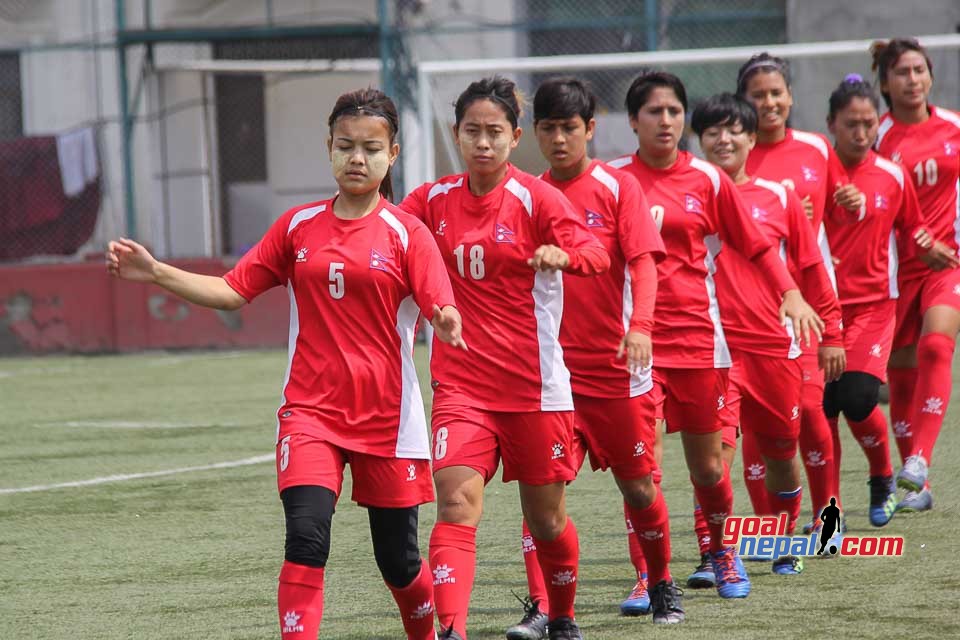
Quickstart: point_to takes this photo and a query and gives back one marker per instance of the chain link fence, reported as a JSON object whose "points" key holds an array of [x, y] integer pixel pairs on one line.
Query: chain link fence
{"points": [[202, 160]]}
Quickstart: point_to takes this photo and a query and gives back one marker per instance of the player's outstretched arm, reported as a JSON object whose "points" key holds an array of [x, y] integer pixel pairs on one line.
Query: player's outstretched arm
{"points": [[129, 260]]}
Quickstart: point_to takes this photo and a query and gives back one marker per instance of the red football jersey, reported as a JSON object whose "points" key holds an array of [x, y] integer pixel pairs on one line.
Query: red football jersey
{"points": [[866, 245], [511, 313], [807, 164], [750, 308], [599, 309], [356, 290], [697, 209], [930, 155]]}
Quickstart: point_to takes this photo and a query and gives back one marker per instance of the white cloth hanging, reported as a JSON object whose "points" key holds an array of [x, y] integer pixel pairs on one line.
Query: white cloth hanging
{"points": [[77, 154]]}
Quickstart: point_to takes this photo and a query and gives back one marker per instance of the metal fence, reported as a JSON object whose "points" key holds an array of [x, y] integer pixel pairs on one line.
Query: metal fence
{"points": [[106, 131]]}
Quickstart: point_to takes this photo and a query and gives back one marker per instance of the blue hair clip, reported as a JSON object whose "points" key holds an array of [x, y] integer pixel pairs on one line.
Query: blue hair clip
{"points": [[853, 77]]}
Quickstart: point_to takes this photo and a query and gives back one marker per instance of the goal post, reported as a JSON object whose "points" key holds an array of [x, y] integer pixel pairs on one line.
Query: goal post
{"points": [[705, 70]]}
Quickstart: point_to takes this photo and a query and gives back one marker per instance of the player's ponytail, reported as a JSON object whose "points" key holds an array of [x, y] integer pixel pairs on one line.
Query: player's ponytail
{"points": [[853, 86], [374, 103], [886, 53]]}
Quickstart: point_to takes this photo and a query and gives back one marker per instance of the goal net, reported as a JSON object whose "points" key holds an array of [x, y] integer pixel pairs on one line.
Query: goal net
{"points": [[816, 67]]}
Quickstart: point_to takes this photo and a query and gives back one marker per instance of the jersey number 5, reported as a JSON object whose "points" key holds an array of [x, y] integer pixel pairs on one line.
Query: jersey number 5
{"points": [[477, 270], [336, 280]]}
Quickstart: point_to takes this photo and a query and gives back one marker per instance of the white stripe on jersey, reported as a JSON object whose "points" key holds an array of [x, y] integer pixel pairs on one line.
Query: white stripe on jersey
{"points": [[708, 169], [303, 215], [776, 187], [813, 140], [291, 346], [522, 194], [947, 115], [443, 188], [621, 162], [412, 440], [892, 168], [893, 265], [795, 350], [555, 393], [824, 245], [607, 180], [886, 123], [721, 352], [641, 380], [397, 226]]}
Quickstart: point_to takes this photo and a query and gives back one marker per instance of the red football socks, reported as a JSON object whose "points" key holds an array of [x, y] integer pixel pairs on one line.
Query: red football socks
{"points": [[871, 433], [633, 546], [559, 559], [535, 584], [416, 605], [300, 601], [754, 473], [701, 529], [815, 430], [932, 393], [652, 528], [817, 451], [787, 502], [902, 383], [453, 558], [717, 504]]}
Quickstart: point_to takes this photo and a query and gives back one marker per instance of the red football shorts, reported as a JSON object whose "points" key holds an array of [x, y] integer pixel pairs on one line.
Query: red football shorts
{"points": [[868, 336], [618, 433], [810, 364], [691, 398], [303, 459], [537, 447], [729, 415], [769, 400], [917, 296]]}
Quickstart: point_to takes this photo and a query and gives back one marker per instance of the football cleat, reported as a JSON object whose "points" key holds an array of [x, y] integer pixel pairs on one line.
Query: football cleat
{"points": [[913, 475], [638, 602], [788, 566], [702, 577], [564, 629], [916, 501], [667, 603], [731, 575], [533, 624], [883, 500]]}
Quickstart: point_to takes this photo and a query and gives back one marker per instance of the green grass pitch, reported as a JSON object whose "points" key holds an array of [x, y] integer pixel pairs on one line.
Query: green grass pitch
{"points": [[195, 554]]}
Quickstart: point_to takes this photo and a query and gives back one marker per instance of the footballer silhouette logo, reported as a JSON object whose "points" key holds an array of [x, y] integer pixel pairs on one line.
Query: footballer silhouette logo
{"points": [[830, 517]]}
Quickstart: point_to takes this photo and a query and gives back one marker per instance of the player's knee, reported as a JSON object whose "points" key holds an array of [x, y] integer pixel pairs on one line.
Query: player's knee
{"points": [[546, 524], [308, 511], [859, 394], [707, 473], [639, 493], [395, 547], [458, 506]]}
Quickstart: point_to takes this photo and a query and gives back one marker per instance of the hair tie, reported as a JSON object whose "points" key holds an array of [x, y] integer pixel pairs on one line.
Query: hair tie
{"points": [[852, 78]]}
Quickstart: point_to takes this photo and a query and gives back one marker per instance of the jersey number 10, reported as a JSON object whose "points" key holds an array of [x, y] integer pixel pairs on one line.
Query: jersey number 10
{"points": [[926, 169]]}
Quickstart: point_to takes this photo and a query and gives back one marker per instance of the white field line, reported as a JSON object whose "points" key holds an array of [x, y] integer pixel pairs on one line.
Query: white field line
{"points": [[137, 476], [125, 424]]}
